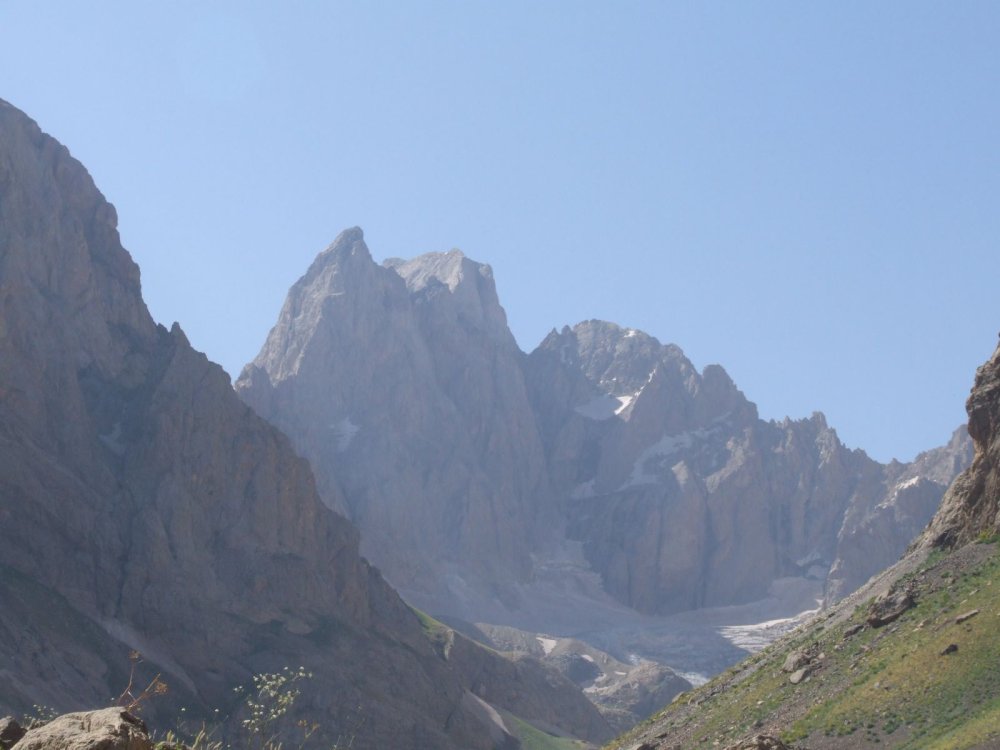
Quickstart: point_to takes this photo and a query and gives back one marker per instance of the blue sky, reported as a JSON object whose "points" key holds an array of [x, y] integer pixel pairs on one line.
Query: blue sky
{"points": [[806, 194]]}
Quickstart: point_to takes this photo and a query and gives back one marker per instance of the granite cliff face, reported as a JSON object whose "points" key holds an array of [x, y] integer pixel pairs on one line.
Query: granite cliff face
{"points": [[684, 498], [144, 506], [403, 387]]}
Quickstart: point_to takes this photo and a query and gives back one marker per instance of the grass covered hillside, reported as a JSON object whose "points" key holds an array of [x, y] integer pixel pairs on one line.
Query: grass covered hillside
{"points": [[928, 679]]}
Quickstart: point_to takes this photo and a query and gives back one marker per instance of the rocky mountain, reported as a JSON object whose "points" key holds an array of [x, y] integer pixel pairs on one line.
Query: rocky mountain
{"points": [[465, 462], [403, 387], [145, 507], [684, 498], [907, 661]]}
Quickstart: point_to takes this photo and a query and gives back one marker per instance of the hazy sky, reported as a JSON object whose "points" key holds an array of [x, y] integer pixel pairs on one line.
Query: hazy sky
{"points": [[806, 194]]}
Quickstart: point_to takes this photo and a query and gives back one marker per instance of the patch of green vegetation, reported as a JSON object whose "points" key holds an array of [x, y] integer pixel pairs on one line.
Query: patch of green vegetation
{"points": [[975, 731], [533, 738], [893, 685], [988, 537], [909, 682], [437, 632]]}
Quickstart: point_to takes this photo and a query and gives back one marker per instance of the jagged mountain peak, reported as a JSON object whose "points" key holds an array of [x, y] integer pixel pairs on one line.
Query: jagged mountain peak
{"points": [[74, 260], [347, 241], [346, 254], [410, 360]]}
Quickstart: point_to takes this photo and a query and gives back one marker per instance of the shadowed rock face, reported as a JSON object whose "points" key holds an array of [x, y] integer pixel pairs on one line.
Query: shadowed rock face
{"points": [[144, 506], [403, 387], [971, 507]]}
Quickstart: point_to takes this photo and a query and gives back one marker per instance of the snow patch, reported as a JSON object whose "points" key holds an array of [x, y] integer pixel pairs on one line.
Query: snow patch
{"points": [[588, 657], [547, 644], [697, 679], [755, 636], [603, 407], [631, 333], [663, 448], [908, 483], [666, 447], [343, 433]]}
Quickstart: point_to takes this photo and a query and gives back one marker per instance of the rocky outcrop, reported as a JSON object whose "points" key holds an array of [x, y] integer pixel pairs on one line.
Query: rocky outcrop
{"points": [[971, 507], [107, 729], [403, 387], [625, 693], [145, 507], [524, 686]]}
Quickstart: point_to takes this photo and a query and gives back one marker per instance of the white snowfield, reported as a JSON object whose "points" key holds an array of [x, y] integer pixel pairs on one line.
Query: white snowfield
{"points": [[547, 644]]}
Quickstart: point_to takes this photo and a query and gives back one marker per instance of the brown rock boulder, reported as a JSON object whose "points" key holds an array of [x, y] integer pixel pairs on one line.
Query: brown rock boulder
{"points": [[107, 729], [795, 661], [889, 606]]}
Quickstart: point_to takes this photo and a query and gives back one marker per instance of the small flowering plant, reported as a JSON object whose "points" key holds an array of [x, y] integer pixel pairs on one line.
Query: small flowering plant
{"points": [[271, 697]]}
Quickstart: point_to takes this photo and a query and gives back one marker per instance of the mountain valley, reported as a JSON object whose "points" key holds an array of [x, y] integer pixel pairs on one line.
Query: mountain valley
{"points": [[578, 535]]}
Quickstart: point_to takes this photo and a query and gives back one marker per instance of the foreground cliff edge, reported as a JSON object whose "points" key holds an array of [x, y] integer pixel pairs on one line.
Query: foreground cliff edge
{"points": [[145, 507], [908, 661]]}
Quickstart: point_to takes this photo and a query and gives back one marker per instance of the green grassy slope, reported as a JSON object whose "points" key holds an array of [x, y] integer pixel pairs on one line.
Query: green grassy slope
{"points": [[902, 685]]}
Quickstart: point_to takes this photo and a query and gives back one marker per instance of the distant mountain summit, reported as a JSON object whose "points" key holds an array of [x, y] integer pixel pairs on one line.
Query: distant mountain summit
{"points": [[474, 470], [403, 386]]}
